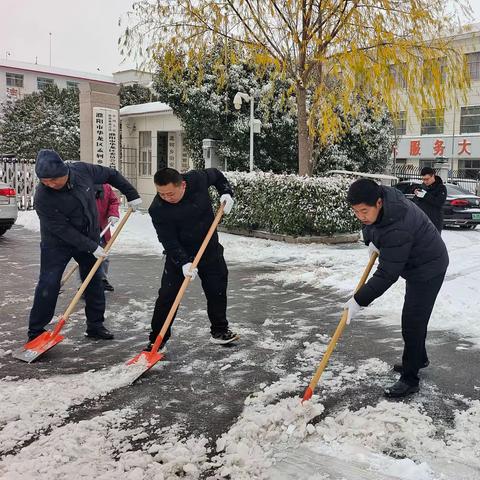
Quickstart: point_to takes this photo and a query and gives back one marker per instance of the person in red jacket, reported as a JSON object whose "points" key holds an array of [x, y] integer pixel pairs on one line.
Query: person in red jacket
{"points": [[107, 206]]}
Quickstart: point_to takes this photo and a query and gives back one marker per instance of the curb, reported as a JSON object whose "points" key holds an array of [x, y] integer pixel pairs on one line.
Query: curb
{"points": [[333, 239]]}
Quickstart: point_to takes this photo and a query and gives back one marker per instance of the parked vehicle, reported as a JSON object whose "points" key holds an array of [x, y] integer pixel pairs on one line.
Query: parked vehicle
{"points": [[8, 207], [462, 208]]}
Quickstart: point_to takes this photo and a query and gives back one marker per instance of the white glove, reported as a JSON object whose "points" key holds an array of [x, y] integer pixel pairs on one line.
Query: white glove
{"points": [[100, 253], [420, 193], [372, 249], [227, 198], [186, 271], [353, 308], [113, 220], [134, 204]]}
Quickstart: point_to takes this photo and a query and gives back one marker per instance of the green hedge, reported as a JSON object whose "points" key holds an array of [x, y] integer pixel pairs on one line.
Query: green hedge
{"points": [[289, 204]]}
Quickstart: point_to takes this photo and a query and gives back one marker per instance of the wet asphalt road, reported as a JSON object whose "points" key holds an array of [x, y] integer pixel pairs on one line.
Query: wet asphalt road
{"points": [[203, 386]]}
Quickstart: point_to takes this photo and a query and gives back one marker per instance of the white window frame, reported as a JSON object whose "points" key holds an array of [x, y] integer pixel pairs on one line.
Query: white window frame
{"points": [[145, 153]]}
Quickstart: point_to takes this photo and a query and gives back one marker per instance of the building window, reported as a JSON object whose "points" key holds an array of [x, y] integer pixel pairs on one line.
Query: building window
{"points": [[473, 64], [74, 85], [469, 168], [145, 157], [470, 120], [400, 122], [14, 80], [42, 82], [432, 122], [426, 163]]}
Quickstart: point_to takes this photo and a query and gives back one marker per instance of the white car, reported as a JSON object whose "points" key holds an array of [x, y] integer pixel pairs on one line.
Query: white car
{"points": [[8, 207]]}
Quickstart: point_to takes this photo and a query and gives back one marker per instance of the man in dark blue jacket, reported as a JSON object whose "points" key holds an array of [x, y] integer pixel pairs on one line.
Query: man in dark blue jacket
{"points": [[409, 246], [431, 196], [182, 214], [66, 206]]}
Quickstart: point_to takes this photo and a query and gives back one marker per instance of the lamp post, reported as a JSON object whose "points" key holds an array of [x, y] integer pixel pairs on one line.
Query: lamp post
{"points": [[237, 102]]}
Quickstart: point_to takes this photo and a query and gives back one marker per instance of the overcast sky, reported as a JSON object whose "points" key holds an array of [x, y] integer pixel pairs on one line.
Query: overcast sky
{"points": [[84, 32]]}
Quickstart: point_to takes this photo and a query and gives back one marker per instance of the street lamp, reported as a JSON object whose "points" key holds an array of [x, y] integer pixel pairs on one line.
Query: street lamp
{"points": [[237, 102]]}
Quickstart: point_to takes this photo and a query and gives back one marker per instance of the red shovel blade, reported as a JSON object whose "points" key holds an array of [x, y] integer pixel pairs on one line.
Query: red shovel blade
{"points": [[144, 361], [307, 395], [38, 346]]}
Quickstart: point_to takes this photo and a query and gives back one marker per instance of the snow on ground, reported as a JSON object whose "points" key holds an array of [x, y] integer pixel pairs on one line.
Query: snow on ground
{"points": [[101, 448], [386, 440]]}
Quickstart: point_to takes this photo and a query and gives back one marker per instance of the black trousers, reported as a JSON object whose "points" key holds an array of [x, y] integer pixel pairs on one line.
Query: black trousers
{"points": [[213, 274], [52, 265], [419, 301]]}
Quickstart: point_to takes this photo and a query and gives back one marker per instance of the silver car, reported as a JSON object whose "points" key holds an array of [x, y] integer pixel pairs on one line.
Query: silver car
{"points": [[8, 207]]}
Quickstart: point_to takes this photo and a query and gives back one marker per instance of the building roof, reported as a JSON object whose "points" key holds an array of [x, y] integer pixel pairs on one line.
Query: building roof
{"points": [[63, 72], [145, 108]]}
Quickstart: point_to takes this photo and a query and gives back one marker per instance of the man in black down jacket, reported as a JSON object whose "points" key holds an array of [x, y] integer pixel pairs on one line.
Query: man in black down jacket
{"points": [[409, 246], [182, 214], [431, 196], [65, 204]]}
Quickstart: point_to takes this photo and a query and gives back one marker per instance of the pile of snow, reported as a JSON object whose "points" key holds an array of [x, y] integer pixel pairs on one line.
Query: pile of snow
{"points": [[103, 447]]}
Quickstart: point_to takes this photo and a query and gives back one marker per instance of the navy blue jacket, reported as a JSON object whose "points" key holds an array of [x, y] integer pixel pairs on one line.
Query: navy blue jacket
{"points": [[181, 227], [68, 217], [410, 246]]}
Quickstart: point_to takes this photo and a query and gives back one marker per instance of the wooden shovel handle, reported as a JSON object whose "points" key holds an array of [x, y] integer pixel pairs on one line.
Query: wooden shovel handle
{"points": [[338, 332], [187, 280]]}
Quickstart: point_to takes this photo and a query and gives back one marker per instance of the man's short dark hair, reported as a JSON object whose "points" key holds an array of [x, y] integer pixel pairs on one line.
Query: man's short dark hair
{"points": [[427, 171], [167, 175], [365, 191]]}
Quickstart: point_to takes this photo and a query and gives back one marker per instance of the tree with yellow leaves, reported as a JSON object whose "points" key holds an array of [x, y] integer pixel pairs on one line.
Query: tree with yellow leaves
{"points": [[379, 52]]}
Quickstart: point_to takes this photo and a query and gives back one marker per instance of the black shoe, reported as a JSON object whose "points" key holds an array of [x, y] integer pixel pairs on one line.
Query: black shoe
{"points": [[224, 338], [100, 333], [34, 335], [106, 286], [400, 389], [162, 349], [398, 367]]}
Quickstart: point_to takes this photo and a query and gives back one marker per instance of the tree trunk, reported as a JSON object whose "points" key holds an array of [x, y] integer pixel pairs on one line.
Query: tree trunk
{"points": [[304, 142]]}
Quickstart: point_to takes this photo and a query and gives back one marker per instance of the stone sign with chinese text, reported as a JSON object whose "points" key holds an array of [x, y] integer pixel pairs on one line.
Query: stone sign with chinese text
{"points": [[105, 137]]}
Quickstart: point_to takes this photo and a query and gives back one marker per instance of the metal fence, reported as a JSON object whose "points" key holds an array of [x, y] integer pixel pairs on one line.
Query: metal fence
{"points": [[20, 174], [464, 178]]}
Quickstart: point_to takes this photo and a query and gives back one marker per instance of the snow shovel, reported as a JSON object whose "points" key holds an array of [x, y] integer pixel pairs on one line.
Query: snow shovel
{"points": [[338, 332], [74, 268], [144, 361], [36, 347]]}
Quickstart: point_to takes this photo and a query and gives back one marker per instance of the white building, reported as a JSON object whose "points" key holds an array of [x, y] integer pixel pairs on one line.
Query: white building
{"points": [[456, 135], [151, 138], [20, 78]]}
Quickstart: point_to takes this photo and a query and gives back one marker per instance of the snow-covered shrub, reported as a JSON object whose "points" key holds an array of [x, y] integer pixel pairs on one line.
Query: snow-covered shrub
{"points": [[290, 204]]}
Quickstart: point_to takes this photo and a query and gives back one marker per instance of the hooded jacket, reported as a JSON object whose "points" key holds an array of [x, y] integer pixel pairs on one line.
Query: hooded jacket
{"points": [[181, 227], [68, 217], [410, 246], [432, 202]]}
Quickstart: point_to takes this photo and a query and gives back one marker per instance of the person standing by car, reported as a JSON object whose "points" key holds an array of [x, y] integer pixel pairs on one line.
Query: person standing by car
{"points": [[408, 246], [431, 196]]}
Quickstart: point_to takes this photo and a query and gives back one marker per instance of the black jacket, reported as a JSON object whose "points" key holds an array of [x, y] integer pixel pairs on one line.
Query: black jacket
{"points": [[68, 217], [181, 227], [432, 202], [409, 244]]}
